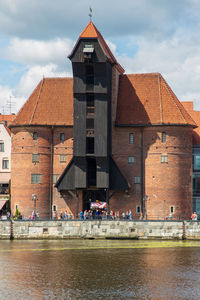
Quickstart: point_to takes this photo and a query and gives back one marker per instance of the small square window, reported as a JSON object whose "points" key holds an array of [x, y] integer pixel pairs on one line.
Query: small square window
{"points": [[35, 158], [62, 137], [164, 159], [137, 179], [35, 178], [35, 136], [131, 159], [131, 138], [63, 157], [138, 209], [164, 137], [1, 146]]}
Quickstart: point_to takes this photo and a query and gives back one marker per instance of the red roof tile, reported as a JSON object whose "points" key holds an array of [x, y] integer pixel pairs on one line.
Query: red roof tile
{"points": [[195, 114], [7, 118], [146, 99], [91, 31], [51, 103]]}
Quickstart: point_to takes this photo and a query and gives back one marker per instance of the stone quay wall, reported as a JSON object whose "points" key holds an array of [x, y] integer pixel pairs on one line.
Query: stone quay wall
{"points": [[106, 229]]}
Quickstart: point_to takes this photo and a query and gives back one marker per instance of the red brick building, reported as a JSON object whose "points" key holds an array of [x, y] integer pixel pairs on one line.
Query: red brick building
{"points": [[102, 135]]}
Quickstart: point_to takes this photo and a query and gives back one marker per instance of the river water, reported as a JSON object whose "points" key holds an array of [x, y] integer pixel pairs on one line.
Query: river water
{"points": [[99, 269]]}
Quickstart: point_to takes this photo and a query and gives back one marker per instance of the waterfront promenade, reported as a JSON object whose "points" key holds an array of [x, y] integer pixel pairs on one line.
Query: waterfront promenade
{"points": [[99, 229]]}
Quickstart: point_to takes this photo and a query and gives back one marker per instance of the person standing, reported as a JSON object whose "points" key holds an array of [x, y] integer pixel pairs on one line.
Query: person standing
{"points": [[69, 216], [194, 216], [85, 214], [81, 215]]}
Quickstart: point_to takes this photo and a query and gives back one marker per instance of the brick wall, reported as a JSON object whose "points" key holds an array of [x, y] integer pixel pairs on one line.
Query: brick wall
{"points": [[165, 184], [23, 146]]}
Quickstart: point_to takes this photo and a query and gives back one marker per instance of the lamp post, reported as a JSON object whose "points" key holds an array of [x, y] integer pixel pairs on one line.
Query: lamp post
{"points": [[34, 198]]}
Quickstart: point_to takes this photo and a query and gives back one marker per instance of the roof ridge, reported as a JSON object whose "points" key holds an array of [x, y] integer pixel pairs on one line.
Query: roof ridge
{"points": [[142, 74], [58, 78], [174, 98], [37, 100]]}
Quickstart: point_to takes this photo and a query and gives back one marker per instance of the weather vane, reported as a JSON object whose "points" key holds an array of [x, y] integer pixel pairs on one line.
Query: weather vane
{"points": [[90, 14]]}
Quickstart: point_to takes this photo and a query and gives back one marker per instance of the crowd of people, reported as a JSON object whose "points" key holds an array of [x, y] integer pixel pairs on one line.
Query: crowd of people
{"points": [[94, 214], [103, 214]]}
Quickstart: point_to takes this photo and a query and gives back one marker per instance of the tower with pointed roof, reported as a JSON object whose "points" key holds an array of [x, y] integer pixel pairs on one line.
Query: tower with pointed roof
{"points": [[92, 169], [102, 136]]}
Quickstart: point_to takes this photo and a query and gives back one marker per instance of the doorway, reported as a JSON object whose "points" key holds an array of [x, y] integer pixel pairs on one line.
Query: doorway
{"points": [[91, 196]]}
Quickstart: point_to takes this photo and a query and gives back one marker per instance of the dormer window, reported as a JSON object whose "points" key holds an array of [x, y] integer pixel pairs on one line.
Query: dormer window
{"points": [[88, 48]]}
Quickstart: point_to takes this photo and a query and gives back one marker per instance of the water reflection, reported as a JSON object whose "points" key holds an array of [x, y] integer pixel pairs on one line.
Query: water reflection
{"points": [[74, 269]]}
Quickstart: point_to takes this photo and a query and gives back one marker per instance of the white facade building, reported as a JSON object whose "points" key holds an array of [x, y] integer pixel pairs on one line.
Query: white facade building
{"points": [[5, 167]]}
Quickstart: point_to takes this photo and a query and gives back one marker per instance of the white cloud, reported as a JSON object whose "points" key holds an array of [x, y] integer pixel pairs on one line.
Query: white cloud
{"points": [[40, 59], [32, 77], [33, 52], [166, 34], [176, 58]]}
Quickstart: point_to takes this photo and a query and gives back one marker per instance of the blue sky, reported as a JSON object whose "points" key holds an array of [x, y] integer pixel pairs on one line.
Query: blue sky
{"points": [[145, 36]]}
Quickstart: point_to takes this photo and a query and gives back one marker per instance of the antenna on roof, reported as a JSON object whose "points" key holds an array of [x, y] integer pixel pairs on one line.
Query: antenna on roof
{"points": [[90, 14]]}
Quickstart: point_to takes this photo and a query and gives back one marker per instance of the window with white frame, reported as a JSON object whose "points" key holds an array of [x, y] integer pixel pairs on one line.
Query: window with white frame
{"points": [[137, 179], [131, 159], [172, 210], [164, 158], [131, 138], [5, 163], [63, 157], [1, 146], [138, 209]]}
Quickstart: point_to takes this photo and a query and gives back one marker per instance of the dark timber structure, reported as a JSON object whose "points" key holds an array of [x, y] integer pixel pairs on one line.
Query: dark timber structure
{"points": [[92, 168]]}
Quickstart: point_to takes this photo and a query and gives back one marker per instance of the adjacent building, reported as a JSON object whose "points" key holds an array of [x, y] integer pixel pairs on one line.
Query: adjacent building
{"points": [[5, 158], [196, 156], [102, 135]]}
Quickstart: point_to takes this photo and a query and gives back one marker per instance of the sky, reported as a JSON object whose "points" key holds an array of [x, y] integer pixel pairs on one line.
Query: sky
{"points": [[36, 37]]}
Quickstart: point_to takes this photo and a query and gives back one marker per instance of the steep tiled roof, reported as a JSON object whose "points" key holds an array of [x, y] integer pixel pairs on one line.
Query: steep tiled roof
{"points": [[51, 103], [146, 99], [195, 114], [91, 31]]}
